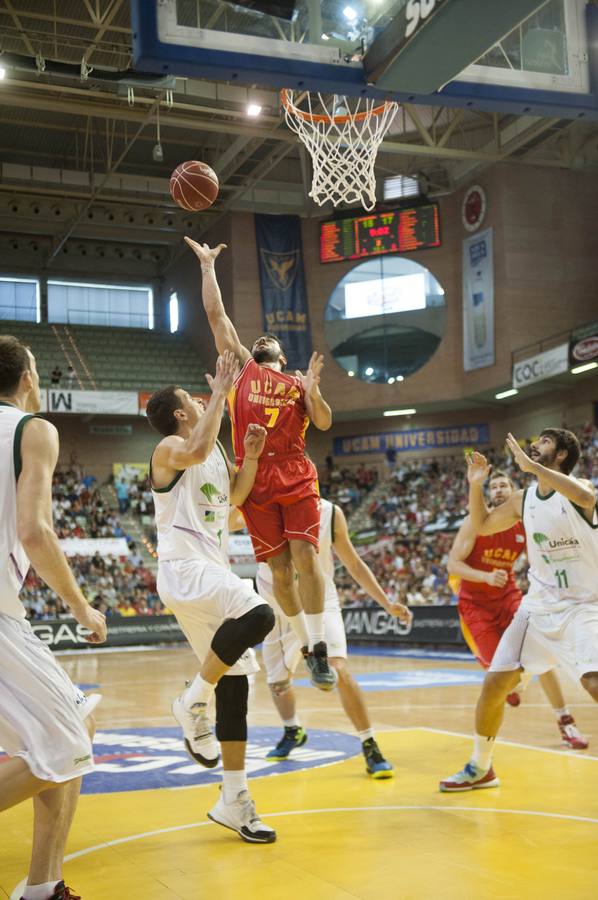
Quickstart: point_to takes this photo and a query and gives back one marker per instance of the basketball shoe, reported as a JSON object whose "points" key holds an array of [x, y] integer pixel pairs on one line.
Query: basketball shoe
{"points": [[571, 735], [470, 778], [240, 816], [316, 660], [62, 892], [200, 743], [375, 764], [293, 736], [86, 703]]}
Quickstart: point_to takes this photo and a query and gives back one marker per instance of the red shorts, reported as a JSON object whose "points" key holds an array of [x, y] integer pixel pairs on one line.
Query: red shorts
{"points": [[483, 625], [283, 506]]}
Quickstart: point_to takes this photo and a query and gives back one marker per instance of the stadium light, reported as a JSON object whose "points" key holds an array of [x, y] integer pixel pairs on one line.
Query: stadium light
{"points": [[391, 380], [585, 368], [510, 393], [349, 13], [2, 73], [254, 110], [399, 412], [350, 373], [369, 371]]}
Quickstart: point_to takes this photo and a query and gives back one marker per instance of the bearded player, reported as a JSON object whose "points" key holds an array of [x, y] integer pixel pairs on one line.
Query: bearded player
{"points": [[489, 598], [282, 511]]}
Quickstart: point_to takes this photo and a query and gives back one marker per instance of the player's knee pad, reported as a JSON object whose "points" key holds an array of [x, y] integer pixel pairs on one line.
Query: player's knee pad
{"points": [[279, 688], [231, 708], [235, 635]]}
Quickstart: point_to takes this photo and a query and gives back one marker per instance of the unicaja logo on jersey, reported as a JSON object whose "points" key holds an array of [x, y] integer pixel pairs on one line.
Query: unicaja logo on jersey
{"points": [[211, 491], [541, 539]]}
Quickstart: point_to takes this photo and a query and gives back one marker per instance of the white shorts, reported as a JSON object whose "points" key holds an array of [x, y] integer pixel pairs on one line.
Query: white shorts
{"points": [[202, 595], [281, 649], [538, 640], [39, 718]]}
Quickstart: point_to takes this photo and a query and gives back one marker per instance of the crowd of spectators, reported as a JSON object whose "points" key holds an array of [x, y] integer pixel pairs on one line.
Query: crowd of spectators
{"points": [[346, 486]]}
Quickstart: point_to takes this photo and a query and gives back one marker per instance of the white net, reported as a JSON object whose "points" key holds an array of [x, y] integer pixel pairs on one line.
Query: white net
{"points": [[343, 135]]}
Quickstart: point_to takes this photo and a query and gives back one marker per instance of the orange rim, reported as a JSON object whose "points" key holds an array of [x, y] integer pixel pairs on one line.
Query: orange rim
{"points": [[339, 120]]}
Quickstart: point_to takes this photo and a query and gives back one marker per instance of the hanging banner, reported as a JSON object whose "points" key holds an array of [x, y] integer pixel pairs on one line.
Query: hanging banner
{"points": [[120, 403], [543, 365], [412, 440], [282, 280], [583, 347], [478, 301]]}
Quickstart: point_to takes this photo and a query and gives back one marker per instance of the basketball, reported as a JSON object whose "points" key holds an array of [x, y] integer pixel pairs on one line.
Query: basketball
{"points": [[194, 185]]}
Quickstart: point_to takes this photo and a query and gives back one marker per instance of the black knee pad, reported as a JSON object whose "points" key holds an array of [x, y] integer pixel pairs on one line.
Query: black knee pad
{"points": [[231, 708], [235, 635]]}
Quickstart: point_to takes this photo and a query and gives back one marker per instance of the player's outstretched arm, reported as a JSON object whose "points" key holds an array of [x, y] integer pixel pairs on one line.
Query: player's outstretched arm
{"points": [[358, 570], [462, 547], [35, 529], [242, 479], [577, 490], [225, 333], [483, 520], [175, 453], [317, 409]]}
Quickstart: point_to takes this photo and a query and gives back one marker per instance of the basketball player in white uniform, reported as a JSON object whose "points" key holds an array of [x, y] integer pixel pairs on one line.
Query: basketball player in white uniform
{"points": [[282, 650], [557, 621], [42, 714], [222, 617]]}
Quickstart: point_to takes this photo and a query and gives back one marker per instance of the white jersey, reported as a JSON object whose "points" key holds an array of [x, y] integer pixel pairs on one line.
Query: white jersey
{"points": [[192, 512], [14, 563], [325, 556], [562, 549]]}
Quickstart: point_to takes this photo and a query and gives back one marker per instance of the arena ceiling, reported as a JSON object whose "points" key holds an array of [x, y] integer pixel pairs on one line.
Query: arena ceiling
{"points": [[78, 128]]}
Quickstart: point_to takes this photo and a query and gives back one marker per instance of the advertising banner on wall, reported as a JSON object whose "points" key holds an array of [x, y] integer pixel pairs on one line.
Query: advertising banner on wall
{"points": [[282, 281], [583, 347], [413, 440], [478, 301], [66, 634], [541, 366], [120, 403], [91, 546], [430, 625]]}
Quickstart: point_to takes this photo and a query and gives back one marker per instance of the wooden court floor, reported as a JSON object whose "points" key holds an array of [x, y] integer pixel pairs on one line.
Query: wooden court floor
{"points": [[340, 835]]}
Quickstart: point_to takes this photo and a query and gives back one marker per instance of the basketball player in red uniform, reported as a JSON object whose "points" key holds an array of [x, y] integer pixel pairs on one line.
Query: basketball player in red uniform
{"points": [[489, 598], [282, 511]]}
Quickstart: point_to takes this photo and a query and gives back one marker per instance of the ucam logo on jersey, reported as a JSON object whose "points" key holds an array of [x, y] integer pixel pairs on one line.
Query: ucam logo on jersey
{"points": [[135, 759]]}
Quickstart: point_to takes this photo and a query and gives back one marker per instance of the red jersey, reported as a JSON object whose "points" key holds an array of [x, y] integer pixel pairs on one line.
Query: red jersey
{"points": [[272, 399], [493, 551]]}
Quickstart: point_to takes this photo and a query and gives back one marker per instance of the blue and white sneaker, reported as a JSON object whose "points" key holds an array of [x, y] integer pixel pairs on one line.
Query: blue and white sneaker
{"points": [[375, 764], [294, 736], [470, 778]]}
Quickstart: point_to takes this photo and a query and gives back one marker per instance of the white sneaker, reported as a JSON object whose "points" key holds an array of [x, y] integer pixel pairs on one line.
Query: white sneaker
{"points": [[200, 743], [240, 816], [86, 703]]}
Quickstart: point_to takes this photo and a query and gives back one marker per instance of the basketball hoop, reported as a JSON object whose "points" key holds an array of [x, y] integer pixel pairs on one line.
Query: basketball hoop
{"points": [[343, 135]]}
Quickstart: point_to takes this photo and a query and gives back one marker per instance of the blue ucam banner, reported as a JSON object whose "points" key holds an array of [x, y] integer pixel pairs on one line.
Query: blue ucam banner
{"points": [[413, 440], [282, 280]]}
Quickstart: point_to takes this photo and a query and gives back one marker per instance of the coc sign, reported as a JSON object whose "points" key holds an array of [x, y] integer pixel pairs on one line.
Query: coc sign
{"points": [[543, 365]]}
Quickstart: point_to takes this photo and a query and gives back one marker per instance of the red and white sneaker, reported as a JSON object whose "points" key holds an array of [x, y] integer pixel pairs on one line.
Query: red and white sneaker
{"points": [[514, 699], [570, 733], [470, 778]]}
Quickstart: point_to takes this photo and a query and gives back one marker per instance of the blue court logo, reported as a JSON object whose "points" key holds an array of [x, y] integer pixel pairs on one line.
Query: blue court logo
{"points": [[135, 759]]}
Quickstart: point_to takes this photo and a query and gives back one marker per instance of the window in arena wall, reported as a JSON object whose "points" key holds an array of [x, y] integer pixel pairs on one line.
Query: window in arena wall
{"points": [[385, 319], [20, 299], [173, 310], [122, 306]]}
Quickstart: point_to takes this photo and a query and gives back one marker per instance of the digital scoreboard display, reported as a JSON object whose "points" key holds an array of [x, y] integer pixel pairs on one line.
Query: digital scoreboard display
{"points": [[397, 231]]}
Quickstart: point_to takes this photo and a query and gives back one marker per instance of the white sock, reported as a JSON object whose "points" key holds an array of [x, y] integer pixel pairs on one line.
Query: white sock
{"points": [[199, 691], [292, 723], [565, 711], [40, 891], [315, 628], [483, 747], [233, 782], [365, 735], [299, 625]]}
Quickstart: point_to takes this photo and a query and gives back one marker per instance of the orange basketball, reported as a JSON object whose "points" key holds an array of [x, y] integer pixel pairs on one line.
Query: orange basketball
{"points": [[194, 185]]}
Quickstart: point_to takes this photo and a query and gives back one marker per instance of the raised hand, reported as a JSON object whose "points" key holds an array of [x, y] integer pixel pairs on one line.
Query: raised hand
{"points": [[520, 456], [255, 440], [227, 369], [478, 467], [311, 379], [205, 254]]}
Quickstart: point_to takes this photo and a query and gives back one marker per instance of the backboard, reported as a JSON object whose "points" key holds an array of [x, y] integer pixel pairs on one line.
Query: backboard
{"points": [[520, 56]]}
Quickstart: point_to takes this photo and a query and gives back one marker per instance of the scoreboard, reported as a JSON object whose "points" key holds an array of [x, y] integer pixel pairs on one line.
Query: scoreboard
{"points": [[396, 231]]}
